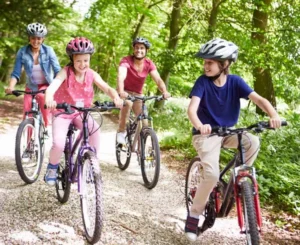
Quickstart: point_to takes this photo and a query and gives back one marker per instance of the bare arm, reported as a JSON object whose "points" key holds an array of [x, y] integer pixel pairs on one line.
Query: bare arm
{"points": [[160, 83], [112, 93], [49, 94], [192, 114], [265, 105], [122, 73]]}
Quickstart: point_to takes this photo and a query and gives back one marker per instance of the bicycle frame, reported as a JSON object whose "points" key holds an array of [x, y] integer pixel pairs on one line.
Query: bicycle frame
{"points": [[76, 166], [239, 171], [137, 125]]}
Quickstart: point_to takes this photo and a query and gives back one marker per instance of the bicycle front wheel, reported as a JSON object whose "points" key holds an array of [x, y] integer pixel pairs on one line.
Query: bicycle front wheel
{"points": [[192, 180], [63, 185], [250, 221], [28, 154], [91, 197], [150, 159]]}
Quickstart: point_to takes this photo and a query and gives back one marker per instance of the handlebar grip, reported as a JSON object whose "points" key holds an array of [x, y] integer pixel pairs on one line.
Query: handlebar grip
{"points": [[16, 93], [284, 123], [62, 106]]}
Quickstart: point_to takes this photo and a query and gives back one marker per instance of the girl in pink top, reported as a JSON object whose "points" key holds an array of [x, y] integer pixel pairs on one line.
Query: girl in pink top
{"points": [[74, 85]]}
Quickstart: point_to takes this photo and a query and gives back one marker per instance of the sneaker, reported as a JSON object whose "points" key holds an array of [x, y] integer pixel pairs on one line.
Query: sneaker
{"points": [[121, 138], [191, 228], [25, 157], [51, 174]]}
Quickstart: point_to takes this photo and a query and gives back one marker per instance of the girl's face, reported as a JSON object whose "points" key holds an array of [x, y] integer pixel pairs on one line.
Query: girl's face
{"points": [[36, 42], [81, 62], [211, 67]]}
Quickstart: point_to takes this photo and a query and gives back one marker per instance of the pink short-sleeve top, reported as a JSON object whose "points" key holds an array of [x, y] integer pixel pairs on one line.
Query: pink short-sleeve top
{"points": [[75, 93], [134, 80]]}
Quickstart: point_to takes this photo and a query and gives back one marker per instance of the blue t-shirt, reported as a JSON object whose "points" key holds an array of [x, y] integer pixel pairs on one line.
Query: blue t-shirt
{"points": [[220, 106]]}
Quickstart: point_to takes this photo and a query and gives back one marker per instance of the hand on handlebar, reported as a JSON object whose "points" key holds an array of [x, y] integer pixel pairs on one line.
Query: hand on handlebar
{"points": [[9, 90], [275, 122], [205, 129], [123, 95], [166, 95], [119, 102]]}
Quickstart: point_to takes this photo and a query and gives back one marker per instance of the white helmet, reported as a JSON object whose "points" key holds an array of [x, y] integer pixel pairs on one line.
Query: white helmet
{"points": [[36, 30], [218, 49]]}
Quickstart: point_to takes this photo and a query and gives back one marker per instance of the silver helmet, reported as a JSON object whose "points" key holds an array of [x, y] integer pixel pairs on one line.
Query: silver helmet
{"points": [[218, 49], [36, 30]]}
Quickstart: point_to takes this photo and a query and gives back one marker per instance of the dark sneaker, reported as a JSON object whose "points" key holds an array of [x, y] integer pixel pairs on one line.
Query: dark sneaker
{"points": [[191, 228]]}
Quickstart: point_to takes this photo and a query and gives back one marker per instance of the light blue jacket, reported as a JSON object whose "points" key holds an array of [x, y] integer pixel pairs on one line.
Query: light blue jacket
{"points": [[48, 62]]}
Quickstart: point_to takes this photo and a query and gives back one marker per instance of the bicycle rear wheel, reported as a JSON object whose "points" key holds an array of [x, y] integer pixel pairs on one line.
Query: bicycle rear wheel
{"points": [[123, 152], [63, 185], [91, 197], [28, 155], [150, 158], [250, 221]]}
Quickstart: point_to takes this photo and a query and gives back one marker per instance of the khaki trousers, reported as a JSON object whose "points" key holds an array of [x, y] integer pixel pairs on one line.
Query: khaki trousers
{"points": [[209, 149]]}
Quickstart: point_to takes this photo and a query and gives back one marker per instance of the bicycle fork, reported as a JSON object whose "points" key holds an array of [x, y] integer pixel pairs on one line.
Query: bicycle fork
{"points": [[240, 175]]}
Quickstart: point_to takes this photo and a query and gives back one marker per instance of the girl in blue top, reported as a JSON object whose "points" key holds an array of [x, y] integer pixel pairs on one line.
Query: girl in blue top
{"points": [[40, 64], [215, 101]]}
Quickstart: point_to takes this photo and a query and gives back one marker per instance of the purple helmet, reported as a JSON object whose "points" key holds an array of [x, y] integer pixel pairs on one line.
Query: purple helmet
{"points": [[80, 45], [141, 40]]}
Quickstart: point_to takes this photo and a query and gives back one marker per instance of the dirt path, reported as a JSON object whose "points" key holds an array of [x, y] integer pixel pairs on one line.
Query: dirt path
{"points": [[31, 214]]}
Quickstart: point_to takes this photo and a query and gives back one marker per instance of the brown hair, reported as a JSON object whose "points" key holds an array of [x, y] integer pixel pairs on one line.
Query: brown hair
{"points": [[224, 66]]}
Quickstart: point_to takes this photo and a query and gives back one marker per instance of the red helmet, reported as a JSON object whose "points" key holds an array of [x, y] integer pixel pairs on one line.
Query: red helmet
{"points": [[80, 45]]}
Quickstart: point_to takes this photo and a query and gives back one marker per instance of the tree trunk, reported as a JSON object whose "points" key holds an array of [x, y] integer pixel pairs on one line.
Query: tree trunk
{"points": [[212, 22], [263, 83], [172, 44]]}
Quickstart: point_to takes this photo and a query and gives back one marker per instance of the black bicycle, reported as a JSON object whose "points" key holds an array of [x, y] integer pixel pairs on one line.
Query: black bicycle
{"points": [[30, 140], [241, 188], [143, 141]]}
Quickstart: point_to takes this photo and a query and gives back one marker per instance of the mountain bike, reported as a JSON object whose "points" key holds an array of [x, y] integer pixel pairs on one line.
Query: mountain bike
{"points": [[30, 139], [241, 188], [143, 141], [83, 169]]}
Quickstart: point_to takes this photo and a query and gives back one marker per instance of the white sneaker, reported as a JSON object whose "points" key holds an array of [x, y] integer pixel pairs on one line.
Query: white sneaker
{"points": [[191, 236], [121, 138]]}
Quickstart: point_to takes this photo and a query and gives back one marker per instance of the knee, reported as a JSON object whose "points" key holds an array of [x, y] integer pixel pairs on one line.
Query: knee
{"points": [[211, 177], [58, 146]]}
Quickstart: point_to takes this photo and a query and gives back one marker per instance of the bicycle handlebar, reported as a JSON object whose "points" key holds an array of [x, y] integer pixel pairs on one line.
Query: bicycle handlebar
{"points": [[145, 98], [102, 106], [20, 92], [257, 127]]}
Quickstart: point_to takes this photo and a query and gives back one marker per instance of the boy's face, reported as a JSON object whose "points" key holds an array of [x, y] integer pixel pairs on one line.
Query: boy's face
{"points": [[211, 67], [81, 62]]}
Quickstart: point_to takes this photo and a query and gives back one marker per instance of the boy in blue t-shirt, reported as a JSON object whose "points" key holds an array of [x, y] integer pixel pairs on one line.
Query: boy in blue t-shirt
{"points": [[215, 101]]}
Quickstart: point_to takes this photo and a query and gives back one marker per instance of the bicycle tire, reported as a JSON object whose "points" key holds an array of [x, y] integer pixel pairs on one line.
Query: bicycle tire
{"points": [[29, 154], [150, 157], [63, 185], [91, 181], [123, 153], [250, 221], [192, 179]]}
